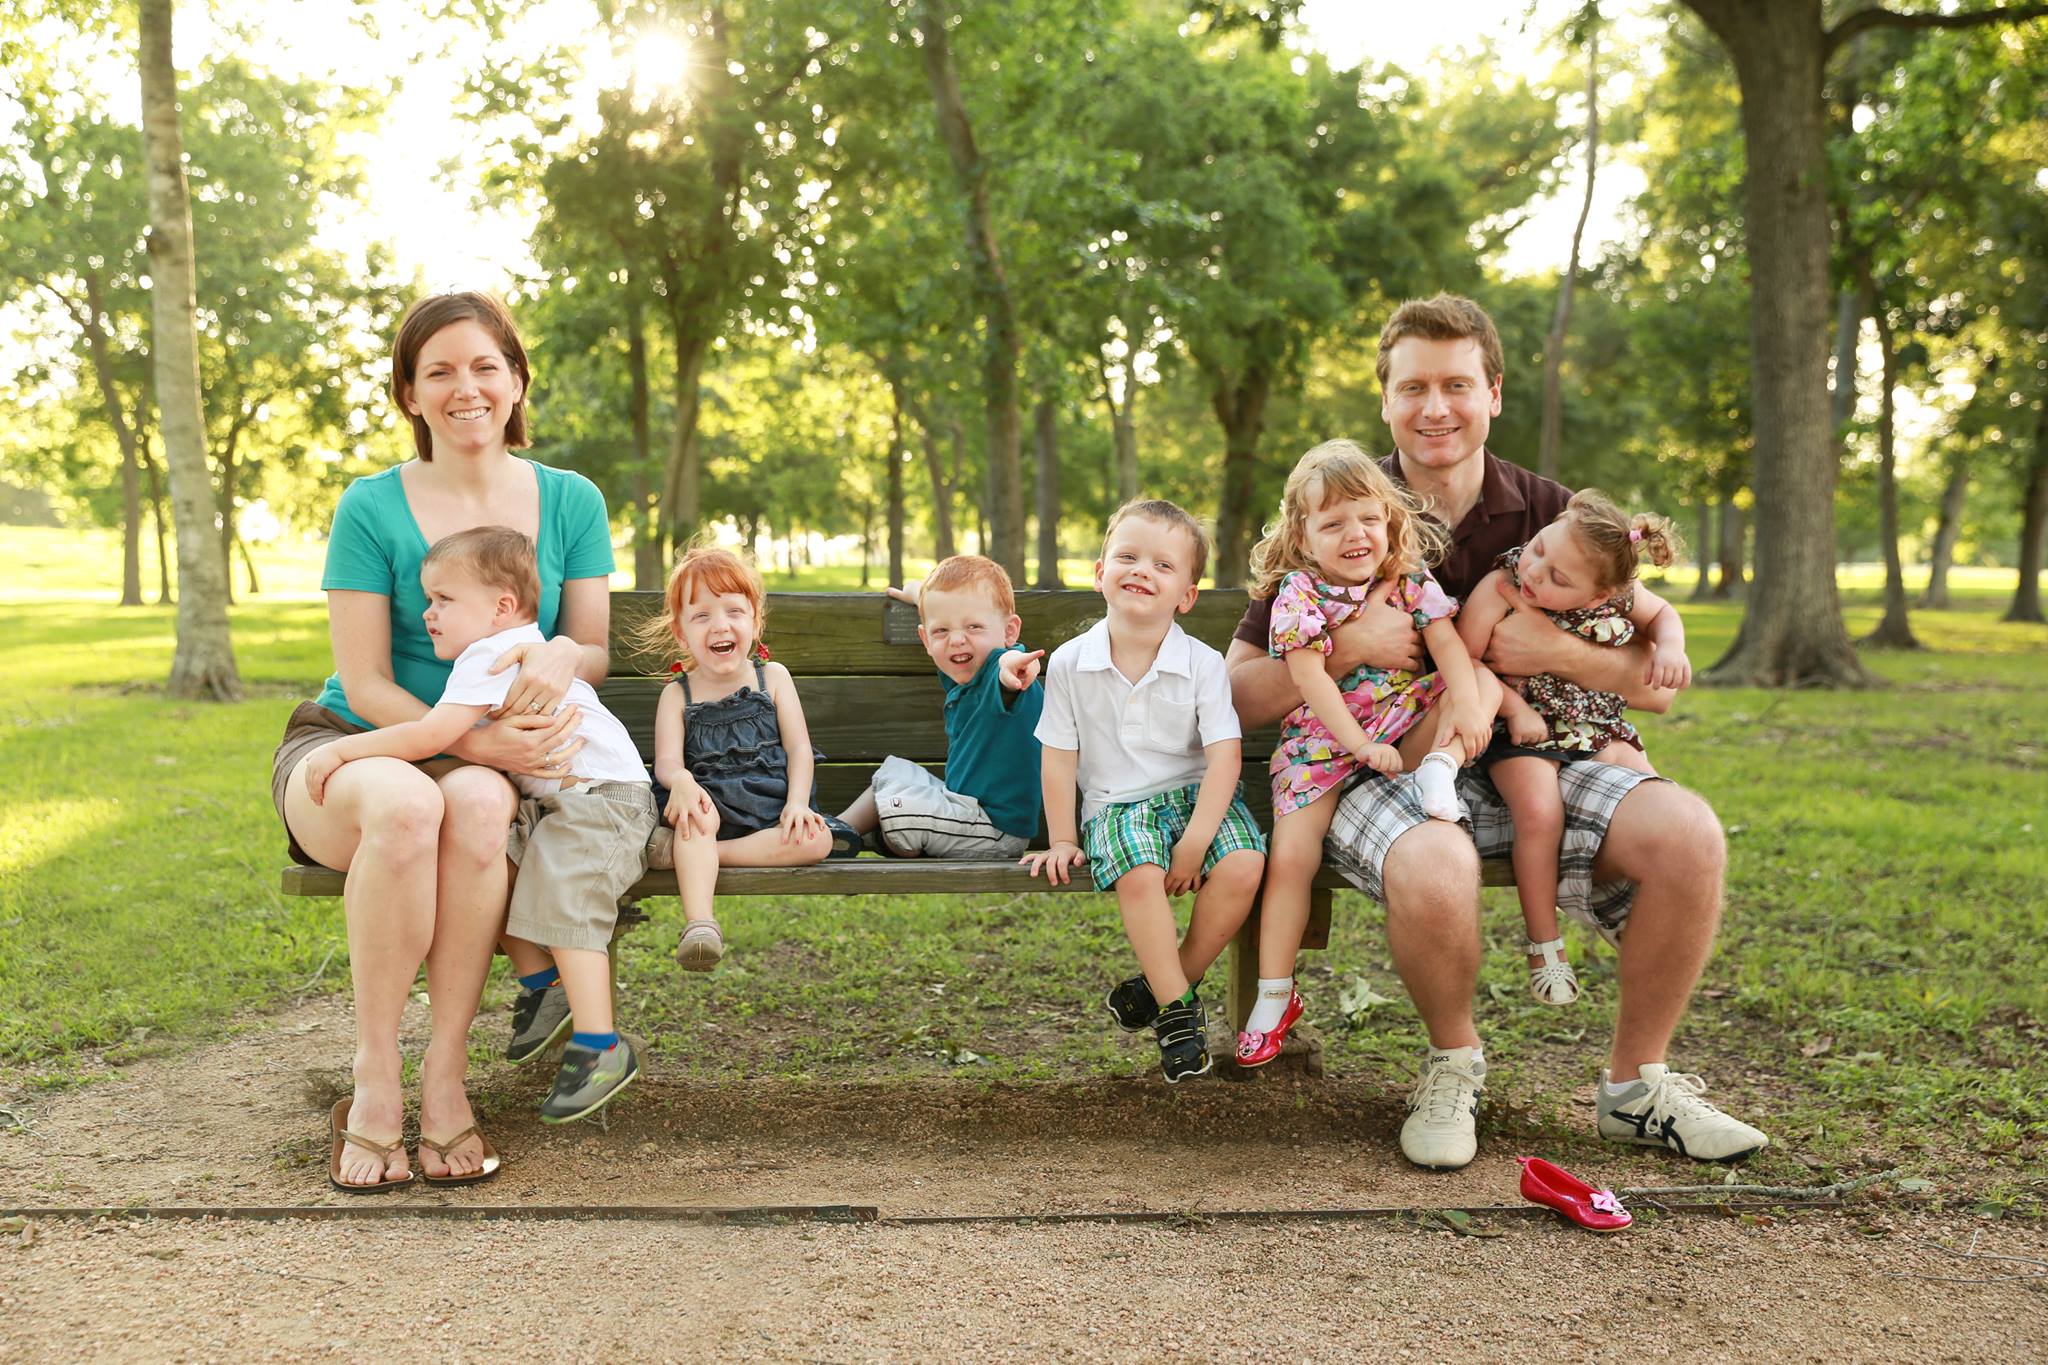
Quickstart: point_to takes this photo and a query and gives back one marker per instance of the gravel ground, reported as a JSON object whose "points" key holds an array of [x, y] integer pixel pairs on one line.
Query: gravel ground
{"points": [[1820, 1287], [239, 1123]]}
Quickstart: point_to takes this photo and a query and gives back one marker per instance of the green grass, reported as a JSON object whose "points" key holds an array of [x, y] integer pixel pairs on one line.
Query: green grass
{"points": [[1877, 990]]}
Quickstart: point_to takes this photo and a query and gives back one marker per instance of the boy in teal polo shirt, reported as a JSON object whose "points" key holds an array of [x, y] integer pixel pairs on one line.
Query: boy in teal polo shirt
{"points": [[987, 805]]}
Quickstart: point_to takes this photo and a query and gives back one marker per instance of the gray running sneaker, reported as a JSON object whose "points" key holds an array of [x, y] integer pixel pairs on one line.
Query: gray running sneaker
{"points": [[1666, 1108], [589, 1080], [540, 1019]]}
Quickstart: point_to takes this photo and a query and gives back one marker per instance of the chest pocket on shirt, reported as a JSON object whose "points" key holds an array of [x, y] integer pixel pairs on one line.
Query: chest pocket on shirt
{"points": [[1169, 725]]}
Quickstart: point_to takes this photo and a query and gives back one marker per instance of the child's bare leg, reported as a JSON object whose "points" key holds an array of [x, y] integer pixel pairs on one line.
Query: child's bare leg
{"points": [[767, 848], [1295, 854], [696, 874], [1530, 788], [1148, 924], [587, 977], [1625, 756], [1221, 907], [862, 814]]}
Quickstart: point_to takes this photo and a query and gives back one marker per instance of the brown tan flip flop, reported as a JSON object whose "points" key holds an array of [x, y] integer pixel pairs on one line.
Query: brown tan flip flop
{"points": [[441, 1149], [341, 1137]]}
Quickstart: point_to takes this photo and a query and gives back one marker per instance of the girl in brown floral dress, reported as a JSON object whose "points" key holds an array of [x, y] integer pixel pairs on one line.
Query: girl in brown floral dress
{"points": [[1580, 571]]}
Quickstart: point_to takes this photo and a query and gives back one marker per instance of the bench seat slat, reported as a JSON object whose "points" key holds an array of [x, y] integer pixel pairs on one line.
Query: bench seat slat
{"points": [[867, 876]]}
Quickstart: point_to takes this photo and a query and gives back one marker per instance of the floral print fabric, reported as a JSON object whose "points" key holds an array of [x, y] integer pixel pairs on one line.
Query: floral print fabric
{"points": [[1581, 720], [1309, 764]]}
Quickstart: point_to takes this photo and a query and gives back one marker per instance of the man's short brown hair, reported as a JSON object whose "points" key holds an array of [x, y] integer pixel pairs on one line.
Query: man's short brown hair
{"points": [[1169, 514], [497, 557], [962, 572], [1447, 317]]}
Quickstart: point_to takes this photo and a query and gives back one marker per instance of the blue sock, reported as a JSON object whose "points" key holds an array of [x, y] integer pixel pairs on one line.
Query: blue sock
{"points": [[542, 979], [596, 1042]]}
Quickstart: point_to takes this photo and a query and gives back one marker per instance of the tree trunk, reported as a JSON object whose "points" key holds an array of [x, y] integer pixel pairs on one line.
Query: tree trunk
{"points": [[644, 516], [896, 453], [1240, 406], [1703, 536], [2026, 599], [248, 564], [681, 483], [999, 349], [1954, 496], [935, 466], [1733, 582], [1123, 419], [230, 469], [1792, 633], [93, 323], [1046, 424], [1552, 434], [203, 666], [1894, 629], [1855, 303], [156, 511]]}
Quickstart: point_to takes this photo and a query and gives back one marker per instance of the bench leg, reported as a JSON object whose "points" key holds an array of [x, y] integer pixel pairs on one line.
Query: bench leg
{"points": [[1244, 954], [1244, 973]]}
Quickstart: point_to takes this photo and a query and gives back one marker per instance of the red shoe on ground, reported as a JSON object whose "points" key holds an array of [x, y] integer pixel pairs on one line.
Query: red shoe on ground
{"points": [[1554, 1187], [1256, 1049]]}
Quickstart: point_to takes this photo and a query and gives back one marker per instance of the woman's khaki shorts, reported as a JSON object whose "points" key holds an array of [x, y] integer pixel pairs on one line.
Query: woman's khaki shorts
{"points": [[578, 851], [311, 725]]}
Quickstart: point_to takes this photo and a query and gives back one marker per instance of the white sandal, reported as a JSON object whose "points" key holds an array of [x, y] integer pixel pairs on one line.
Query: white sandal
{"points": [[701, 946], [1554, 983]]}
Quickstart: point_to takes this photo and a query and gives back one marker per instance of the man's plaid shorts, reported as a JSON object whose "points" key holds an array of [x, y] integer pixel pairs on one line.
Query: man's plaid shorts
{"points": [[1123, 835], [1379, 810]]}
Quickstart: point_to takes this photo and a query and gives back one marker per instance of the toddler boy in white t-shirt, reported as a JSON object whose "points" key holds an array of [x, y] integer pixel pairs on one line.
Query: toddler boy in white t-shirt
{"points": [[579, 840]]}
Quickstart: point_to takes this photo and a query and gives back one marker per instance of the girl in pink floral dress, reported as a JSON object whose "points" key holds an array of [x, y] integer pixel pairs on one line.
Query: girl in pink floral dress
{"points": [[1347, 532]]}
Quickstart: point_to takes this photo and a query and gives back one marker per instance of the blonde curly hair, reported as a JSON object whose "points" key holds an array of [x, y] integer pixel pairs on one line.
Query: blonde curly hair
{"points": [[1332, 470]]}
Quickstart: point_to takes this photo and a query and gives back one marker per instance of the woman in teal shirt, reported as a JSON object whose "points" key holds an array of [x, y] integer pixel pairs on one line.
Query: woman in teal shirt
{"points": [[424, 844]]}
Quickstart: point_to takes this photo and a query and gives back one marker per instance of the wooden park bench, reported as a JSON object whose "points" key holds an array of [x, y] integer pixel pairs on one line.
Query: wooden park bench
{"points": [[869, 691]]}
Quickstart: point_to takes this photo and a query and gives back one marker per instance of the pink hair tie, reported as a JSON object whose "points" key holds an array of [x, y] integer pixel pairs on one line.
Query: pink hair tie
{"points": [[1634, 534]]}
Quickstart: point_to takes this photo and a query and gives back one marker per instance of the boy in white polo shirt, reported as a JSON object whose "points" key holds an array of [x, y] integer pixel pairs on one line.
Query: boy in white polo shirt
{"points": [[1138, 713]]}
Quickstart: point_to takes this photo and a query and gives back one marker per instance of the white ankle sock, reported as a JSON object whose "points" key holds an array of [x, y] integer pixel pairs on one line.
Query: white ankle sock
{"points": [[1437, 777], [1274, 992]]}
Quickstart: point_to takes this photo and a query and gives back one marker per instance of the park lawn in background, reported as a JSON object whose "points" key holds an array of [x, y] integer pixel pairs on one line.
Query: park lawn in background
{"points": [[1876, 994]]}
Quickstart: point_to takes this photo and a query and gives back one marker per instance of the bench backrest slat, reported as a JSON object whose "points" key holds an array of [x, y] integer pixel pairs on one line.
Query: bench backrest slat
{"points": [[869, 689]]}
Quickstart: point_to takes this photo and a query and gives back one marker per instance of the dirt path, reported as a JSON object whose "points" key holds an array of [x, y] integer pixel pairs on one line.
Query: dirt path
{"points": [[238, 1123]]}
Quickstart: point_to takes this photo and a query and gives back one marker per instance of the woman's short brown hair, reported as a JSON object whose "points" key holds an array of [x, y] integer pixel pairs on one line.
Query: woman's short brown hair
{"points": [[428, 316]]}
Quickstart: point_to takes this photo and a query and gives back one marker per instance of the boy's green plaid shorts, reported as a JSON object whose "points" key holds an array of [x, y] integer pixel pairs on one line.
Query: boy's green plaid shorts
{"points": [[1124, 835]]}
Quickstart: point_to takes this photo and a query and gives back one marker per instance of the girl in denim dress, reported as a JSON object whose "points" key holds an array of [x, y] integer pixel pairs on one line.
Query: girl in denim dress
{"points": [[733, 764]]}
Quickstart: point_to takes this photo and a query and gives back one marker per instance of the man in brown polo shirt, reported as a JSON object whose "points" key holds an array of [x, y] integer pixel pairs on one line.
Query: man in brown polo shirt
{"points": [[1639, 853]]}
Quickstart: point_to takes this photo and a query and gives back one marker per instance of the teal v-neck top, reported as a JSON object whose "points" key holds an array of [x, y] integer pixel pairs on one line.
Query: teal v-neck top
{"points": [[376, 546]]}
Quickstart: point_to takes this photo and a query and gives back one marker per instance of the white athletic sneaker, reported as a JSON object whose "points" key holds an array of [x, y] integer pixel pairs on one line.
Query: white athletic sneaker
{"points": [[1664, 1108], [1442, 1128]]}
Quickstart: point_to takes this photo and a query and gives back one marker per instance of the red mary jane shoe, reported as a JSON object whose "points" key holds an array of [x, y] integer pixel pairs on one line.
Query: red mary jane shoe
{"points": [[1554, 1187], [1256, 1049]]}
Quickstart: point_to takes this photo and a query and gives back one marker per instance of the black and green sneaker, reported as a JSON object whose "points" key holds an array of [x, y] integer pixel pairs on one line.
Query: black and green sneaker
{"points": [[1132, 1005], [589, 1080], [540, 1019], [1182, 1029]]}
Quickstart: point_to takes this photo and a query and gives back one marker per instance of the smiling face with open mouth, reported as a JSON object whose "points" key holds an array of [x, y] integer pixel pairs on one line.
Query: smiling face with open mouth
{"points": [[1146, 573], [1347, 539], [961, 628], [719, 630], [465, 390]]}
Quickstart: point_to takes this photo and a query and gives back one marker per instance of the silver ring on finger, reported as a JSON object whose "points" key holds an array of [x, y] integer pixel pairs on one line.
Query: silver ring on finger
{"points": [[533, 707]]}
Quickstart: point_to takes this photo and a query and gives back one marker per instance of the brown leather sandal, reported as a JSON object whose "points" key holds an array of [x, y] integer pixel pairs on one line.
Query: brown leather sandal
{"points": [[441, 1149], [341, 1137]]}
